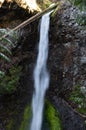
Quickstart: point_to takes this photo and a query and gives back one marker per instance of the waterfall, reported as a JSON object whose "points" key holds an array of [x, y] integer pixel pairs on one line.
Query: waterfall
{"points": [[41, 75]]}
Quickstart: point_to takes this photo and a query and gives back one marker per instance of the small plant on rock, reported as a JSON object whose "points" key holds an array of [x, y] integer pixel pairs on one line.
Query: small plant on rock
{"points": [[9, 81], [78, 96]]}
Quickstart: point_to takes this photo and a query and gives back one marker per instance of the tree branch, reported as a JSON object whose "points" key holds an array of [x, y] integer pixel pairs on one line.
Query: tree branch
{"points": [[33, 18]]}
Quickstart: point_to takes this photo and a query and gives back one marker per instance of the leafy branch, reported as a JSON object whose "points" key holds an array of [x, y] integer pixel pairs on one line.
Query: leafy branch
{"points": [[5, 45]]}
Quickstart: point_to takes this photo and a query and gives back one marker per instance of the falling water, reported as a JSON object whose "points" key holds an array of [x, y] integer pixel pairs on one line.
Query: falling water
{"points": [[41, 75]]}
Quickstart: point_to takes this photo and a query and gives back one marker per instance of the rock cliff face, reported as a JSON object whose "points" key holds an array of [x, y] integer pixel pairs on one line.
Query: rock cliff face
{"points": [[67, 61], [67, 56]]}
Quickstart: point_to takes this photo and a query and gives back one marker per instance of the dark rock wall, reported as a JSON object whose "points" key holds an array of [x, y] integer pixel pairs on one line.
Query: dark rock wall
{"points": [[67, 64], [67, 54]]}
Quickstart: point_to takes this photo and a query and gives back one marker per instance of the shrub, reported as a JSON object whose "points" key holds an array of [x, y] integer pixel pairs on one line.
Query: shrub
{"points": [[78, 96], [9, 81], [81, 4]]}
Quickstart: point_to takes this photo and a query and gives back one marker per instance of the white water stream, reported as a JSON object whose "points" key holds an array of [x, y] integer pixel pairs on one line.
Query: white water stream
{"points": [[41, 75]]}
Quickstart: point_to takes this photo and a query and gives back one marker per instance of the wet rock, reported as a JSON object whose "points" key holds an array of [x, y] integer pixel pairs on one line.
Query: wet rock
{"points": [[83, 60], [67, 63], [67, 50]]}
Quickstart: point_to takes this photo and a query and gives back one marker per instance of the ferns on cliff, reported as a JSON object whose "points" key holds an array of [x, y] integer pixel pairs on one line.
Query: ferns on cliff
{"points": [[81, 4], [5, 45]]}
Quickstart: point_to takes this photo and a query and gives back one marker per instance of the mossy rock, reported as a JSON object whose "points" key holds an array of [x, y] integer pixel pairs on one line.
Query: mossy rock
{"points": [[51, 120], [25, 124], [53, 117]]}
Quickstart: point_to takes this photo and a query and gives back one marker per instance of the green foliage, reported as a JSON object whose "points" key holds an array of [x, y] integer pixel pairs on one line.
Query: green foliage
{"points": [[53, 117], [81, 19], [4, 48], [81, 4], [7, 41], [3, 56], [6, 44], [9, 81], [45, 4], [26, 118], [78, 97]]}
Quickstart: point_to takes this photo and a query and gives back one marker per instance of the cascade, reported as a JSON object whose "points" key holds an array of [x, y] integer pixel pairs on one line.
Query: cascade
{"points": [[41, 75]]}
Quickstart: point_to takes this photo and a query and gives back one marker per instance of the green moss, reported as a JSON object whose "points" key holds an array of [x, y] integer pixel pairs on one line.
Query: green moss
{"points": [[53, 117], [78, 97], [9, 81], [26, 118]]}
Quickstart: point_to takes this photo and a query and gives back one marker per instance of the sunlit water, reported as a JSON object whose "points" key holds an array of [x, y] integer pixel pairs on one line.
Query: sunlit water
{"points": [[41, 75]]}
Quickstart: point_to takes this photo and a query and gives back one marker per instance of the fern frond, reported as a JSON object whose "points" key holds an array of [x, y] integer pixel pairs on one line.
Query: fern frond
{"points": [[2, 31], [4, 48], [4, 57], [6, 43], [9, 42], [13, 34], [81, 20], [2, 74]]}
